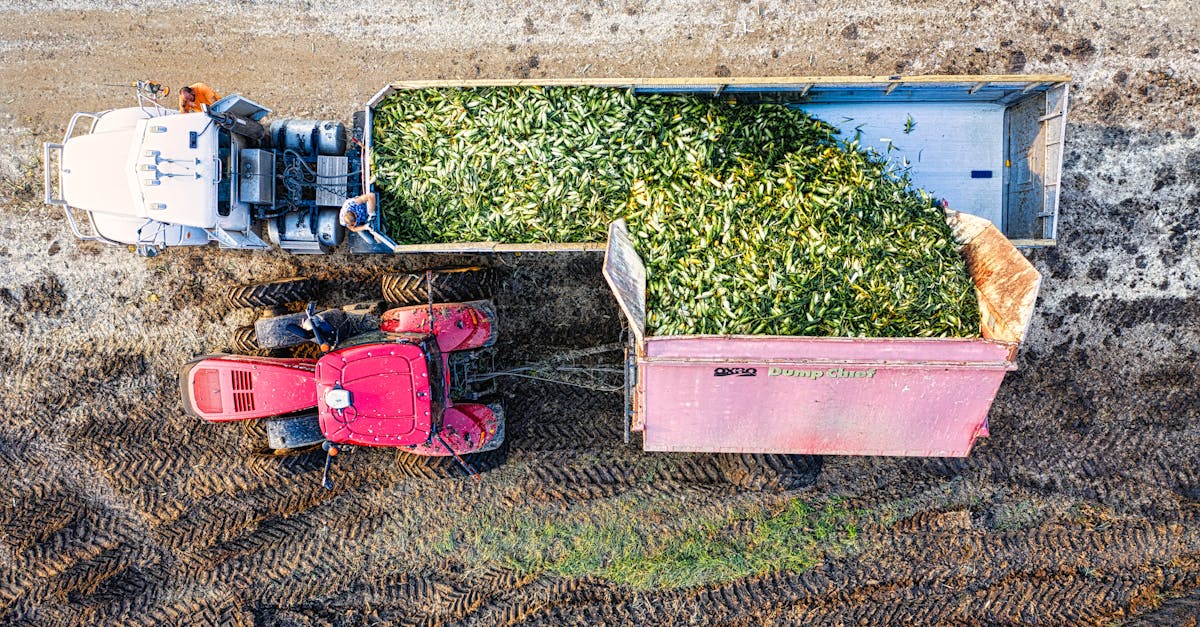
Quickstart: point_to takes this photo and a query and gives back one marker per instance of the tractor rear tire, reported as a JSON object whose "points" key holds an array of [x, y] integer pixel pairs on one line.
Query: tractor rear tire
{"points": [[294, 433], [429, 467], [770, 472], [447, 285], [273, 293], [245, 342]]}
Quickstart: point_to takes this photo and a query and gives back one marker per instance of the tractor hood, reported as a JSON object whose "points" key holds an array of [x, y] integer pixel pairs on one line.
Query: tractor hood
{"points": [[239, 387], [164, 168], [377, 395]]}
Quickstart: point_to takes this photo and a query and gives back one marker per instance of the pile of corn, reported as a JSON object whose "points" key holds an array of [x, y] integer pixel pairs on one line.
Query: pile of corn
{"points": [[751, 219]]}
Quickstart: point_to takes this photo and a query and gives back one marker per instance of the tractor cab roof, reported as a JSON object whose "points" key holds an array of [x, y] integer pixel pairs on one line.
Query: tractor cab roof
{"points": [[394, 393]]}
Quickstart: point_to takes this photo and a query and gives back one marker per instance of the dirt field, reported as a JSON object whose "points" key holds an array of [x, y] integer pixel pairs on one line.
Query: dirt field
{"points": [[1082, 508]]}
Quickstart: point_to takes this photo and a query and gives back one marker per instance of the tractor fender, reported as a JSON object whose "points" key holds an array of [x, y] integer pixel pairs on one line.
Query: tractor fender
{"points": [[457, 326], [467, 428]]}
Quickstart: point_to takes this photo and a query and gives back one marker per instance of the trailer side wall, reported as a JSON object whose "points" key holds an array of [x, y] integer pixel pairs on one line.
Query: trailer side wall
{"points": [[827, 396]]}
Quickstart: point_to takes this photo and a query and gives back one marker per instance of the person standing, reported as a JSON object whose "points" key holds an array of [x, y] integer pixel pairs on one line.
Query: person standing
{"points": [[194, 95]]}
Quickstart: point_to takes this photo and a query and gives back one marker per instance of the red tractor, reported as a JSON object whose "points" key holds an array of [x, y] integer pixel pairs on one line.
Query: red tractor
{"points": [[378, 381]]}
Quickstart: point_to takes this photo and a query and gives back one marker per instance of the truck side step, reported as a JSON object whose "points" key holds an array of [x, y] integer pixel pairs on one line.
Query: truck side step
{"points": [[237, 239], [301, 247]]}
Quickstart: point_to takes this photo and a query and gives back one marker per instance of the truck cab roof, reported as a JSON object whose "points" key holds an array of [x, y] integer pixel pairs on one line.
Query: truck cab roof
{"points": [[163, 168]]}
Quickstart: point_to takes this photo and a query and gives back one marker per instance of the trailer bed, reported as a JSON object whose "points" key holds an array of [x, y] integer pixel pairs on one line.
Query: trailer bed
{"points": [[990, 145]]}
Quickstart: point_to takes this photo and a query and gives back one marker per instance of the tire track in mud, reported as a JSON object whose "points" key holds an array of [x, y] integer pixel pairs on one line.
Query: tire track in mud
{"points": [[62, 559], [1144, 470], [570, 484], [1181, 611], [554, 417], [856, 594], [1043, 575], [407, 598]]}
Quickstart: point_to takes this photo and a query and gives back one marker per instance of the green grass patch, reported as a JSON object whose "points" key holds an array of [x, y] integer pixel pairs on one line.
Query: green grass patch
{"points": [[652, 546]]}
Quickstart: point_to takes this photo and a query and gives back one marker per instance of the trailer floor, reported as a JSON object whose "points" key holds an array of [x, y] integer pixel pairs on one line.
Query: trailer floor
{"points": [[1082, 508]]}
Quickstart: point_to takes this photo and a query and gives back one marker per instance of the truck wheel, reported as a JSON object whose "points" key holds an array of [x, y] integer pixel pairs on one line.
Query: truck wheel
{"points": [[770, 472], [244, 341], [427, 467], [447, 285], [272, 293], [294, 433]]}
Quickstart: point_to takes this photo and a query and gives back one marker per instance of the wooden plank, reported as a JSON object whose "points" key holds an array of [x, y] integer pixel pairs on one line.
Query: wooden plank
{"points": [[499, 247], [743, 80]]}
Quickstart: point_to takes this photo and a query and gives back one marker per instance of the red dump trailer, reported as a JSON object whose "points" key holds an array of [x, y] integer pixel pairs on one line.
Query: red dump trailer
{"points": [[822, 395]]}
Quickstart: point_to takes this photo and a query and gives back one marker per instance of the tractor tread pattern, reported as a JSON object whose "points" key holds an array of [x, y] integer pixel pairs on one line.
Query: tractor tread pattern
{"points": [[447, 286], [244, 341], [273, 293]]}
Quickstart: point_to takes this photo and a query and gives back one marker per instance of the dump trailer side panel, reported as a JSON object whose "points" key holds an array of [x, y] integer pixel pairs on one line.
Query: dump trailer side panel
{"points": [[829, 396]]}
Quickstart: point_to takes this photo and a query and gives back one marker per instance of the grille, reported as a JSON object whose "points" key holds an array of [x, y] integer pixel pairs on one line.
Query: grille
{"points": [[331, 176], [242, 380], [243, 401], [243, 394]]}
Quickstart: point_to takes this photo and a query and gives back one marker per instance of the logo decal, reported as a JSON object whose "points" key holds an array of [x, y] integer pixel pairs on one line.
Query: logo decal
{"points": [[735, 372]]}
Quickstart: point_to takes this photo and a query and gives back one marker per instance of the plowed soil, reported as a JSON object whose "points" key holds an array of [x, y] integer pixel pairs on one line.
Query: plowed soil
{"points": [[1083, 507]]}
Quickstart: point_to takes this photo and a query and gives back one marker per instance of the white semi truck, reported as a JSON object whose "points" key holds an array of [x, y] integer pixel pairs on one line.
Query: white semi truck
{"points": [[151, 178]]}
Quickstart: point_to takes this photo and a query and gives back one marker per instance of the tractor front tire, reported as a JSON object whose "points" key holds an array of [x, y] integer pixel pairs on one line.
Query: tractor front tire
{"points": [[430, 467], [245, 342], [446, 285], [273, 293]]}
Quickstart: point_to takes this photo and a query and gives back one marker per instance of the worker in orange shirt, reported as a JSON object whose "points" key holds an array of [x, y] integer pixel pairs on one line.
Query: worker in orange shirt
{"points": [[194, 95]]}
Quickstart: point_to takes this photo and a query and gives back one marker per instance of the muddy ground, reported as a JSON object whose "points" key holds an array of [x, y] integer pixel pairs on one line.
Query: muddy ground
{"points": [[1082, 508]]}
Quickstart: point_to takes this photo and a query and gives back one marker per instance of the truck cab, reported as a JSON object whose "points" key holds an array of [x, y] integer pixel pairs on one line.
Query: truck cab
{"points": [[152, 178]]}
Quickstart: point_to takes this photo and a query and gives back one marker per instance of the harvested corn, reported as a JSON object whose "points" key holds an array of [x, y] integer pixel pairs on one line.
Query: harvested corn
{"points": [[750, 218]]}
